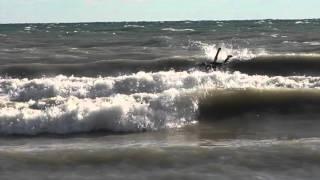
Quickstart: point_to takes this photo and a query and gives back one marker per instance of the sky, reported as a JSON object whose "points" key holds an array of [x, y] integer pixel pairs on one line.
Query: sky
{"points": [[44, 11]]}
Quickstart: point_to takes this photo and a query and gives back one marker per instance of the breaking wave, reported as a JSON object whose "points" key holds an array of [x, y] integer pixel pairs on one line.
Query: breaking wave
{"points": [[120, 113], [127, 103]]}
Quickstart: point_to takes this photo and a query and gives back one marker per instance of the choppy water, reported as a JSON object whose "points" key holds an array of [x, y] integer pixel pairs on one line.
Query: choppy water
{"points": [[130, 101]]}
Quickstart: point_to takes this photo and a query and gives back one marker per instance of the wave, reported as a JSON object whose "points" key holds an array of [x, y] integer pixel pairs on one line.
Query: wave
{"points": [[217, 105], [177, 30], [127, 66], [260, 62], [141, 101], [284, 65], [290, 42], [250, 61], [27, 28], [143, 82], [313, 43], [133, 26], [302, 22], [119, 113], [103, 68], [146, 112]]}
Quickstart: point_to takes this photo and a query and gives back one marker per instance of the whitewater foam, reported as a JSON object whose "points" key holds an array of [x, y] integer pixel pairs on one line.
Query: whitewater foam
{"points": [[120, 113], [142, 82], [210, 51], [128, 103]]}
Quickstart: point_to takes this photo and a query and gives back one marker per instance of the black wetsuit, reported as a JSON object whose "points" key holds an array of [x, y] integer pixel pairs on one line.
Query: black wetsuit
{"points": [[214, 64]]}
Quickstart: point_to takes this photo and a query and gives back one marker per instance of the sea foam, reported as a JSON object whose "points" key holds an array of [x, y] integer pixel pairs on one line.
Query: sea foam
{"points": [[210, 51]]}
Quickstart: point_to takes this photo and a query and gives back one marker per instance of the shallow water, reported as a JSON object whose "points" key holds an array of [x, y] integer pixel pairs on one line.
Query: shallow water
{"points": [[249, 149]]}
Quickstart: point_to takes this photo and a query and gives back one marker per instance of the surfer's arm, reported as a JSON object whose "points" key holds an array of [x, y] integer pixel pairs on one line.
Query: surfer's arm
{"points": [[216, 57], [227, 59]]}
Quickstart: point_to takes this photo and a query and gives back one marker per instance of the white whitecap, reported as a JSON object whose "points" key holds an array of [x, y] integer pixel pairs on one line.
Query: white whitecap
{"points": [[176, 30], [133, 26]]}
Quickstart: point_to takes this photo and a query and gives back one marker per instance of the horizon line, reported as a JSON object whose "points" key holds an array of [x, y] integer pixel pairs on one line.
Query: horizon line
{"points": [[139, 21]]}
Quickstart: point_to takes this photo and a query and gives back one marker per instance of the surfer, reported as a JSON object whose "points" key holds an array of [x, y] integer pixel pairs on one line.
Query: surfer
{"points": [[214, 64]]}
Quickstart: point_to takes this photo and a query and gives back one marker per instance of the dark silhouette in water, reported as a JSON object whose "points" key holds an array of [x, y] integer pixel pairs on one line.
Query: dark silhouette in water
{"points": [[214, 64], [217, 55], [227, 59]]}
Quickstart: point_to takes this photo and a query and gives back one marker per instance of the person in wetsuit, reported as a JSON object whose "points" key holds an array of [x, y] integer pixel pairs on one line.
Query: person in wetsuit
{"points": [[214, 64]]}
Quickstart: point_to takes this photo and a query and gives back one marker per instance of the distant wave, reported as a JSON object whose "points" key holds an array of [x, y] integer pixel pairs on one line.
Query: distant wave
{"points": [[290, 42], [274, 35], [177, 30], [133, 26], [313, 43], [302, 22], [27, 28]]}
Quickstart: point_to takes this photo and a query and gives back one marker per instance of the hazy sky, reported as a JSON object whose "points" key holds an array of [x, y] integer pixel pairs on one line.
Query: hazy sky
{"points": [[14, 11]]}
